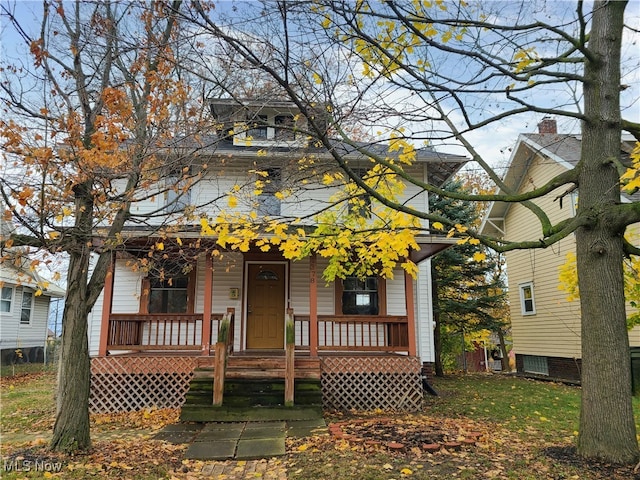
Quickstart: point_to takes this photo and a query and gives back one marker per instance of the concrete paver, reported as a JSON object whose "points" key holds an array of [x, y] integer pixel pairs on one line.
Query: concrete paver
{"points": [[250, 449], [218, 450]]}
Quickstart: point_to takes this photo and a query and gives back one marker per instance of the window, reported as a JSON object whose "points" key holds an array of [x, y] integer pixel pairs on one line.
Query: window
{"points": [[269, 203], [535, 364], [6, 299], [258, 130], [360, 296], [176, 195], [169, 295], [527, 300], [27, 308], [284, 127]]}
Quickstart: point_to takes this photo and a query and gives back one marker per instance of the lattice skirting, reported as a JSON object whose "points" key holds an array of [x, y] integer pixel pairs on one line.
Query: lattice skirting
{"points": [[122, 384], [368, 383]]}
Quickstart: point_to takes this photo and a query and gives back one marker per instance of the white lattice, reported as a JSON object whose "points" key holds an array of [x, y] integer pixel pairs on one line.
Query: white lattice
{"points": [[121, 384], [368, 383]]}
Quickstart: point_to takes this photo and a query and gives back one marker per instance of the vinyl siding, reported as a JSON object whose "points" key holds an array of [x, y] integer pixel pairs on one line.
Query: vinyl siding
{"points": [[554, 330], [15, 335]]}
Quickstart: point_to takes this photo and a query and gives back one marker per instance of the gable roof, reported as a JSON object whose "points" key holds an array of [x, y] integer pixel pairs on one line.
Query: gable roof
{"points": [[12, 274], [563, 149]]}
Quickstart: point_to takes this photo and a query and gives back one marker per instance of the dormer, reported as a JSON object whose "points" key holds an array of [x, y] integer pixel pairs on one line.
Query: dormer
{"points": [[253, 123]]}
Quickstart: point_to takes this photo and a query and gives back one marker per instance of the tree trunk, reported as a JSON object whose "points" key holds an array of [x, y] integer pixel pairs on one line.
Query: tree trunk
{"points": [[607, 427], [437, 334], [71, 429], [504, 361]]}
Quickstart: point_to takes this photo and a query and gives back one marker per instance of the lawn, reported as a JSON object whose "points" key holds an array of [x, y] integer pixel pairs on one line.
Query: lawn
{"points": [[521, 429]]}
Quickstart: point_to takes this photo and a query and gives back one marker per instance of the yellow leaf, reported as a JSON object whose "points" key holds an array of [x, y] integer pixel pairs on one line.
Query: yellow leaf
{"points": [[303, 447], [159, 246], [437, 226], [479, 256], [406, 471], [317, 78], [232, 201], [38, 292], [54, 235]]}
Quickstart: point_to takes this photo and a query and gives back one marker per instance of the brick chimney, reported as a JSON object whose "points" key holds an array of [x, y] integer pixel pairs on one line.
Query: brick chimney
{"points": [[548, 125]]}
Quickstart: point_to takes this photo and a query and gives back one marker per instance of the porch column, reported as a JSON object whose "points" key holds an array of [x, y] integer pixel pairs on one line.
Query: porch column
{"points": [[206, 312], [411, 316], [107, 301], [313, 306]]}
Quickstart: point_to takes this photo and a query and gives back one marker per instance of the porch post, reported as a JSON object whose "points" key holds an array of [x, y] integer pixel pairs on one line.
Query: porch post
{"points": [[107, 302], [313, 306], [411, 316], [206, 313]]}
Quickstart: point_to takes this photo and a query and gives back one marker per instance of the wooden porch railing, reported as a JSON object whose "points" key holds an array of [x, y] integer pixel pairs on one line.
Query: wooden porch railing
{"points": [[161, 331], [362, 333]]}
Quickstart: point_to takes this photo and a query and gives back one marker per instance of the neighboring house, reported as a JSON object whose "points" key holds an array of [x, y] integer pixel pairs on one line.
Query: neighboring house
{"points": [[545, 325], [24, 314], [367, 339]]}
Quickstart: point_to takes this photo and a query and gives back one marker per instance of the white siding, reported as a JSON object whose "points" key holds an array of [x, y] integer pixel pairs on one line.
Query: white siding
{"points": [[227, 273], [396, 304], [15, 335], [299, 281], [424, 313], [127, 287], [95, 320]]}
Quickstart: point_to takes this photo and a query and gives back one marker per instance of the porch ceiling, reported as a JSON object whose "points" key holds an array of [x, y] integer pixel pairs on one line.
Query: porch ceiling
{"points": [[430, 246]]}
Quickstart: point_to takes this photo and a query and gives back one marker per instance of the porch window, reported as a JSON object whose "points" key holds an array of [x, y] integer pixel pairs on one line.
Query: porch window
{"points": [[6, 298], [169, 295], [27, 308], [360, 296], [527, 300]]}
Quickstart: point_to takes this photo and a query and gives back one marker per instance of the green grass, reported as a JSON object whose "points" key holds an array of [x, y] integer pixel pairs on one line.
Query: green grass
{"points": [[27, 403], [18, 369], [517, 403]]}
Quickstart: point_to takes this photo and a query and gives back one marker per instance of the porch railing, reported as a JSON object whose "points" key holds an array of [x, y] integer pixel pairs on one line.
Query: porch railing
{"points": [[160, 331], [184, 332], [342, 332]]}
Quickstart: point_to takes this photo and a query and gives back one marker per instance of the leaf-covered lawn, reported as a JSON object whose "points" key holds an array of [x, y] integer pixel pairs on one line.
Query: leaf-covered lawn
{"points": [[508, 427]]}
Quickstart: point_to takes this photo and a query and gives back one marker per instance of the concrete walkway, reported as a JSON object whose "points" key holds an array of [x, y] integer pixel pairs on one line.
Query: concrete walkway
{"points": [[238, 440]]}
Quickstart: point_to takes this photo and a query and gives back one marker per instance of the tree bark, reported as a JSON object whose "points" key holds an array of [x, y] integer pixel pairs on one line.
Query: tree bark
{"points": [[607, 427], [71, 429]]}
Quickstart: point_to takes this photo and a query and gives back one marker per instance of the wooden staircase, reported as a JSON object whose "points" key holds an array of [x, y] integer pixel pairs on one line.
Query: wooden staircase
{"points": [[254, 390]]}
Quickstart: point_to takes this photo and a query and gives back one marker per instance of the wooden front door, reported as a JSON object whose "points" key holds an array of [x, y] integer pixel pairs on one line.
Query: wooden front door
{"points": [[265, 305]]}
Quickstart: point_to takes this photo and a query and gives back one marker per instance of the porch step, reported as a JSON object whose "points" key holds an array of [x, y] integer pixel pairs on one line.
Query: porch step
{"points": [[254, 390], [193, 413]]}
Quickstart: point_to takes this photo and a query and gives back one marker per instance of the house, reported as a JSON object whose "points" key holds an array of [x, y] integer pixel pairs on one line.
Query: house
{"points": [[545, 326], [24, 310], [366, 340]]}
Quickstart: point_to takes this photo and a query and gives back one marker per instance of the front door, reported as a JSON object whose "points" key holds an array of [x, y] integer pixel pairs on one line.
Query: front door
{"points": [[265, 305]]}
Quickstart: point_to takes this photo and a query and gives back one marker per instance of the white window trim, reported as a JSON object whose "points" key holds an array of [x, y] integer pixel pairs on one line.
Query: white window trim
{"points": [[521, 288], [12, 301], [31, 308]]}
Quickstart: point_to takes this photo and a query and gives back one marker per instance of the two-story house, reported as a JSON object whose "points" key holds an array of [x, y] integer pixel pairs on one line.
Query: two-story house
{"points": [[545, 326], [365, 339]]}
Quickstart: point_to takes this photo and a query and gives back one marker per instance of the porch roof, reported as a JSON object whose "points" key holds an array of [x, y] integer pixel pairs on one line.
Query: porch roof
{"points": [[430, 245]]}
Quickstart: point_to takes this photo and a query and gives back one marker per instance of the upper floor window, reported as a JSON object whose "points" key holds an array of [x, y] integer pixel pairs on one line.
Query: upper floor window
{"points": [[27, 307], [176, 196], [6, 299], [360, 296], [527, 300], [269, 203], [267, 129]]}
